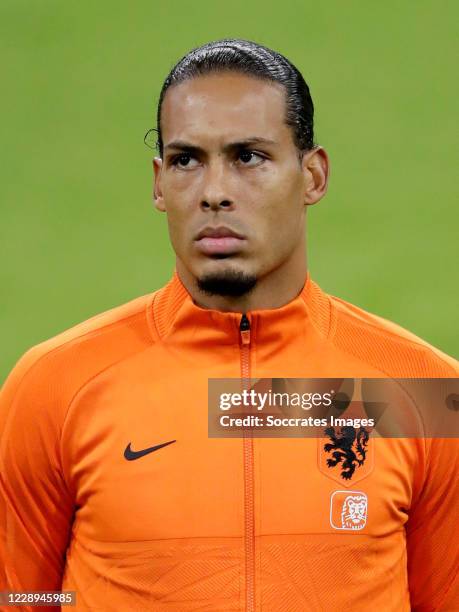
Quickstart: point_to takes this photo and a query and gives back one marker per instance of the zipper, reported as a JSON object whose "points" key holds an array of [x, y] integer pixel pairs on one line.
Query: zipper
{"points": [[249, 510]]}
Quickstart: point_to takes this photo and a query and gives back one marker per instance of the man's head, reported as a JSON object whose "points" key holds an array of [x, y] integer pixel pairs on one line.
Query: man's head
{"points": [[238, 166], [251, 59]]}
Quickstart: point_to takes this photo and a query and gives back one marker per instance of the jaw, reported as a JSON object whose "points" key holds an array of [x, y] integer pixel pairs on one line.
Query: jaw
{"points": [[276, 282], [218, 265], [230, 283]]}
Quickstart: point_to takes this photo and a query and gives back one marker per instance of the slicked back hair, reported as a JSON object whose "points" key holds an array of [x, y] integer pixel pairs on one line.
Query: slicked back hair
{"points": [[249, 58]]}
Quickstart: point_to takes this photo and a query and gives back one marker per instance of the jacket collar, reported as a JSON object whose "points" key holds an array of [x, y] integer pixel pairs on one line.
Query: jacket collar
{"points": [[177, 318]]}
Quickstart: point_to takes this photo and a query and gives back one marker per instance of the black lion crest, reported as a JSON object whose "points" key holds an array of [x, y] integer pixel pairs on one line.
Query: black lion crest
{"points": [[349, 448]]}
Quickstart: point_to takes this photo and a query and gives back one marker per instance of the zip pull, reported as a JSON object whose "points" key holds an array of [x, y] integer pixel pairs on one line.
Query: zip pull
{"points": [[244, 329]]}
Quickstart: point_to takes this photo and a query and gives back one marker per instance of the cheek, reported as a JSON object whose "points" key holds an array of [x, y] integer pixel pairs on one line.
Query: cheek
{"points": [[179, 189], [177, 218], [284, 186], [182, 219], [283, 211], [178, 201]]}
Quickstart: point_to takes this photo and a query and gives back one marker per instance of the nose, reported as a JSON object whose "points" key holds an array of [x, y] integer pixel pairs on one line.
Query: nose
{"points": [[215, 194]]}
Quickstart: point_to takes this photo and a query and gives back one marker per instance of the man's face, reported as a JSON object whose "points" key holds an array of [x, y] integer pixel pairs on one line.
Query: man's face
{"points": [[230, 166]]}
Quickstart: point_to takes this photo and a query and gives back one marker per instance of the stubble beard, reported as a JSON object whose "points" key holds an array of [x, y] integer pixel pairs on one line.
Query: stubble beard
{"points": [[227, 283]]}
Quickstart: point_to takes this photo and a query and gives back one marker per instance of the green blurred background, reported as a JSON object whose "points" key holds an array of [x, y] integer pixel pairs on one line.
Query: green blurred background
{"points": [[79, 84]]}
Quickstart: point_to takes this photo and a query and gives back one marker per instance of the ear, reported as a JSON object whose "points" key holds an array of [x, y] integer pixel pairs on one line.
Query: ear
{"points": [[316, 168], [157, 192]]}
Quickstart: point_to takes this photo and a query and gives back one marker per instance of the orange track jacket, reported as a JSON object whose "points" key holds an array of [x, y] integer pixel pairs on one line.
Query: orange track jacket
{"points": [[217, 524]]}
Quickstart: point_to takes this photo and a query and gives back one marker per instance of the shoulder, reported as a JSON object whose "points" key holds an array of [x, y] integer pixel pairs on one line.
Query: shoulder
{"points": [[113, 332], [130, 315], [386, 345], [52, 371]]}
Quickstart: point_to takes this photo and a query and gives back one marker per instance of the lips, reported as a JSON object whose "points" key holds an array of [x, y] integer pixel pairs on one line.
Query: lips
{"points": [[218, 232], [219, 241]]}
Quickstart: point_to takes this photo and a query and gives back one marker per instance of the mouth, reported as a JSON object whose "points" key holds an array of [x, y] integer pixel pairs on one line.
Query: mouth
{"points": [[219, 241]]}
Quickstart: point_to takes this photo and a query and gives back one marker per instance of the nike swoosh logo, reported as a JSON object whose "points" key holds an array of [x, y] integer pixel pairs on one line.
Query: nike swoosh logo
{"points": [[130, 455]]}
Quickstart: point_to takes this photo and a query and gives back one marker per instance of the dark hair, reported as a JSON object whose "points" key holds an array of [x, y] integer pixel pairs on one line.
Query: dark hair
{"points": [[255, 60]]}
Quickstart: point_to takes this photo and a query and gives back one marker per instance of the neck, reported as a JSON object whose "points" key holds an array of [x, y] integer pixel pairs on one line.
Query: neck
{"points": [[274, 290]]}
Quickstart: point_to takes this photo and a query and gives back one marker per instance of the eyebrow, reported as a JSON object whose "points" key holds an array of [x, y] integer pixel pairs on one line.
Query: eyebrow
{"points": [[182, 145]]}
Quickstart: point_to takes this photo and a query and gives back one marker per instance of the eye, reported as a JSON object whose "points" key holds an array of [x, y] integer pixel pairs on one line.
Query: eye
{"points": [[184, 161], [250, 158]]}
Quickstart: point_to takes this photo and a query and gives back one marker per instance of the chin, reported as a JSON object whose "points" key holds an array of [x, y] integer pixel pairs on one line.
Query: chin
{"points": [[226, 281]]}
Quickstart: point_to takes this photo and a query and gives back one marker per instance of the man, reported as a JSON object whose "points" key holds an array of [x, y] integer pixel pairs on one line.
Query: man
{"points": [[110, 483]]}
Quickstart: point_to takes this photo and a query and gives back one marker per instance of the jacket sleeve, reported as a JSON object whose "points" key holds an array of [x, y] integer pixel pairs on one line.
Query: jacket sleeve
{"points": [[432, 532], [36, 508]]}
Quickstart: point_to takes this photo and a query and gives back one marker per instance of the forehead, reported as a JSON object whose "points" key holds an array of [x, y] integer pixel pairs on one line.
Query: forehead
{"points": [[224, 106]]}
